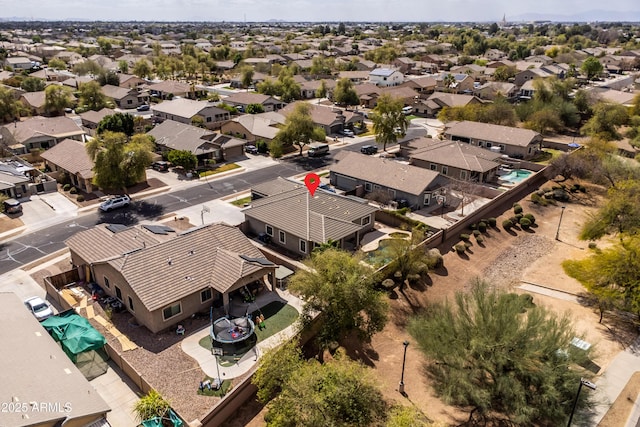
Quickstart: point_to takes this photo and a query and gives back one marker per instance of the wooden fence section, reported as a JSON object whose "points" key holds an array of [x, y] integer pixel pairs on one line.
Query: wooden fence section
{"points": [[129, 370]]}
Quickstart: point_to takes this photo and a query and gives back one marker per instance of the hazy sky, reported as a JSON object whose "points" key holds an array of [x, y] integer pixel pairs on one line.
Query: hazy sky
{"points": [[303, 10]]}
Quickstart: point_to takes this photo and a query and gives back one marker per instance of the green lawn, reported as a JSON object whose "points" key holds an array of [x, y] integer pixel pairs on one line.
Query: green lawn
{"points": [[547, 155], [277, 316], [223, 168], [241, 202], [226, 386]]}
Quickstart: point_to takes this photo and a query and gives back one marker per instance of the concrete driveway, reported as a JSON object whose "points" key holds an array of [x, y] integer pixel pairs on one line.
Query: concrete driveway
{"points": [[45, 210]]}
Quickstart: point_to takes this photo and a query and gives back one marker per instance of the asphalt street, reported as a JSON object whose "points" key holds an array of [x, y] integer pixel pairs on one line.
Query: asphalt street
{"points": [[32, 246]]}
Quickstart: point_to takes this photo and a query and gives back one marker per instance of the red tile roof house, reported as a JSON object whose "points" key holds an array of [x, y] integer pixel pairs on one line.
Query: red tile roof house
{"points": [[514, 142], [298, 222], [454, 159], [360, 174], [161, 277], [70, 156]]}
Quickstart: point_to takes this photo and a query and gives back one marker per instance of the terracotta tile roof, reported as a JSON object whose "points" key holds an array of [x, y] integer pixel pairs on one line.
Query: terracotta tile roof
{"points": [[70, 155], [494, 133], [319, 218], [455, 154], [387, 173]]}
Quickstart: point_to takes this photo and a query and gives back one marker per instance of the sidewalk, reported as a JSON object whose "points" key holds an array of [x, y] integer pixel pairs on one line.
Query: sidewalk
{"points": [[208, 363]]}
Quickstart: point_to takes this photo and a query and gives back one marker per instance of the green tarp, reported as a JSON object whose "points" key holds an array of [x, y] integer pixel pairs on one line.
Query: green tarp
{"points": [[157, 421], [74, 333]]}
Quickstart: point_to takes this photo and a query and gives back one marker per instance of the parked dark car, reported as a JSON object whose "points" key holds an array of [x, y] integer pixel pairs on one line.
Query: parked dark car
{"points": [[368, 149], [160, 166]]}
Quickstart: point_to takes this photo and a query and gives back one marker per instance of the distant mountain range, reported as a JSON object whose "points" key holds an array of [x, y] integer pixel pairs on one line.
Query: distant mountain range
{"points": [[589, 16]]}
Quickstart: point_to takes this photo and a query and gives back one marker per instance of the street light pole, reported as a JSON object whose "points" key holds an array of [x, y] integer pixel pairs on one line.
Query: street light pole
{"points": [[584, 382], [404, 359], [559, 223]]}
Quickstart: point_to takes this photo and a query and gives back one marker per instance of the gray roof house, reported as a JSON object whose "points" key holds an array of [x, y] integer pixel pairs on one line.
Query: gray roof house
{"points": [[514, 142], [243, 99], [297, 222], [32, 358], [386, 77], [163, 277], [203, 143], [71, 157], [184, 110], [385, 179]]}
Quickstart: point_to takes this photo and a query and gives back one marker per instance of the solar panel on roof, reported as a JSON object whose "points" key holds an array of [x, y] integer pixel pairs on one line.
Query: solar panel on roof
{"points": [[114, 228], [159, 229]]}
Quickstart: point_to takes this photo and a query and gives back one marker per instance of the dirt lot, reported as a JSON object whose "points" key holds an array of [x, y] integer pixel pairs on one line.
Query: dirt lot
{"points": [[507, 260]]}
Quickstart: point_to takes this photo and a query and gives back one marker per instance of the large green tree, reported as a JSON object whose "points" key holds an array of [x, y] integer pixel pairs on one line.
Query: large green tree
{"points": [[33, 84], [501, 357], [9, 105], [340, 393], [591, 67], [341, 289], [91, 96], [387, 117], [118, 122], [299, 128], [57, 98], [620, 212], [344, 93], [142, 69], [605, 121], [184, 158], [119, 163]]}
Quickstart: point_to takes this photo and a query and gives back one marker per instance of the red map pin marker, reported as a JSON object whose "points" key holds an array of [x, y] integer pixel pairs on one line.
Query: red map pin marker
{"points": [[312, 181]]}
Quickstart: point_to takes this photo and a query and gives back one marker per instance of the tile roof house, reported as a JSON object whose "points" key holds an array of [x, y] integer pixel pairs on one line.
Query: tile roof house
{"points": [[514, 142], [18, 63], [184, 110], [124, 97], [35, 359], [459, 82], [162, 278], [491, 90], [203, 143], [331, 120], [130, 81], [254, 127], [169, 88], [386, 77], [70, 156], [34, 101], [243, 99], [298, 222], [362, 175], [438, 100], [90, 119], [16, 178], [454, 159], [39, 133]]}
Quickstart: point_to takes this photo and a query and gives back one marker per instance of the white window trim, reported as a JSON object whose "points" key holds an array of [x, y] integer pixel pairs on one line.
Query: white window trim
{"points": [[366, 220], [427, 199], [130, 303], [282, 236], [445, 170], [179, 304], [300, 244], [266, 229], [433, 167], [368, 186], [488, 145]]}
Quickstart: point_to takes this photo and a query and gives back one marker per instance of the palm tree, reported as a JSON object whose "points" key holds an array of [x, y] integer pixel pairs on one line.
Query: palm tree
{"points": [[449, 81]]}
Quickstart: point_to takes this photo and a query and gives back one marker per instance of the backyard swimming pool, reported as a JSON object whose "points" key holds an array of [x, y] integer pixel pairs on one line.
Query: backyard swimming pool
{"points": [[515, 177]]}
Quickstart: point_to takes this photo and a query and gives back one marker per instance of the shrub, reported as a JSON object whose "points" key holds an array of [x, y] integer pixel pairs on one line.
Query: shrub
{"points": [[476, 233], [492, 222], [514, 220], [536, 198], [464, 237], [80, 198], [525, 223], [482, 227], [593, 245], [473, 226], [517, 209], [479, 239], [582, 189], [434, 258], [460, 248], [73, 190], [404, 211], [468, 244], [531, 218], [66, 187], [262, 146], [507, 224]]}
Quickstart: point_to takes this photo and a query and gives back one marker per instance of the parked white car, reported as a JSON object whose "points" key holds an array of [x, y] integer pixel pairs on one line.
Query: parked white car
{"points": [[115, 203], [39, 307]]}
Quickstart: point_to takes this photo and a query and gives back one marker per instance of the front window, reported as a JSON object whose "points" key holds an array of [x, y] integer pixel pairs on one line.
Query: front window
{"points": [[433, 167], [427, 199], [106, 282], [367, 187], [282, 237], [269, 230], [118, 293], [171, 311], [463, 175], [131, 304], [445, 170], [303, 246], [366, 220]]}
